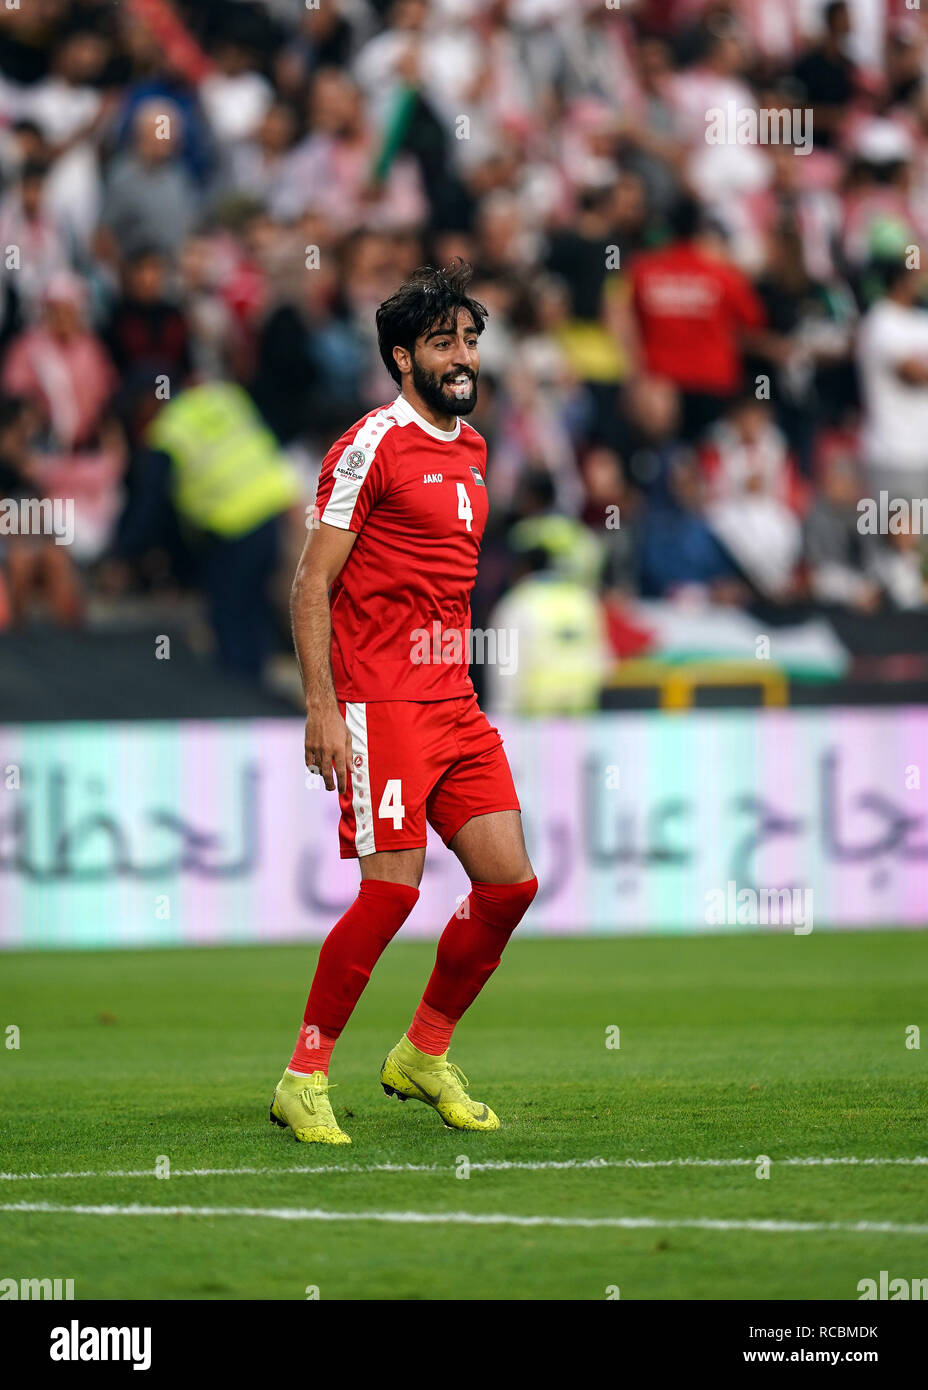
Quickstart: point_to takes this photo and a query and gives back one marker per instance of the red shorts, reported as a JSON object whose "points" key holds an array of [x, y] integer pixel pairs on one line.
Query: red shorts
{"points": [[415, 762]]}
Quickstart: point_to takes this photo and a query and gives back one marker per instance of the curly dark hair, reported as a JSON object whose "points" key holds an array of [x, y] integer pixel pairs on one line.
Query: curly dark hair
{"points": [[429, 299]]}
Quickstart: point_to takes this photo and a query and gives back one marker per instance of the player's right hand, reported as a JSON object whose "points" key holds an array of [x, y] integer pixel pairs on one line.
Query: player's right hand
{"points": [[327, 744]]}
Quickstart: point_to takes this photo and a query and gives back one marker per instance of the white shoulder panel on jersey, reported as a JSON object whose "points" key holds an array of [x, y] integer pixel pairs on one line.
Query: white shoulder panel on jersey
{"points": [[352, 468]]}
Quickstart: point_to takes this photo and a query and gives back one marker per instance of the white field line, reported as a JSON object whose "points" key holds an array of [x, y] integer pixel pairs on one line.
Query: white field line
{"points": [[466, 1218], [488, 1166]]}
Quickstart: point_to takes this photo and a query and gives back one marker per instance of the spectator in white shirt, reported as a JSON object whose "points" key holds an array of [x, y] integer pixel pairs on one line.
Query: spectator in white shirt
{"points": [[892, 354]]}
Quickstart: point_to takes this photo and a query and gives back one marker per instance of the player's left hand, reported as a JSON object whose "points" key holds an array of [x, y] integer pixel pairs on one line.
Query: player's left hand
{"points": [[328, 745]]}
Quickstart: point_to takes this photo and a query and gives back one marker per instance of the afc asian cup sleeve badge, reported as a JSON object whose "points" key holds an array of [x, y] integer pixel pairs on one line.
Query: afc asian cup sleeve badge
{"points": [[353, 464]]}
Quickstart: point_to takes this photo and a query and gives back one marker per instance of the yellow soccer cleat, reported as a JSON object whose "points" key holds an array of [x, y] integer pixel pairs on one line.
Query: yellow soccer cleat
{"points": [[301, 1103], [410, 1074]]}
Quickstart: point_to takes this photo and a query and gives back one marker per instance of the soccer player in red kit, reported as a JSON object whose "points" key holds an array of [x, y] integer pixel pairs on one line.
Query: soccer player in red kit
{"points": [[381, 623]]}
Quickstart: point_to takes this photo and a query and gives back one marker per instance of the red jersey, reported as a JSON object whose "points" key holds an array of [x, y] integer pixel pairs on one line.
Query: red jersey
{"points": [[416, 496], [690, 309]]}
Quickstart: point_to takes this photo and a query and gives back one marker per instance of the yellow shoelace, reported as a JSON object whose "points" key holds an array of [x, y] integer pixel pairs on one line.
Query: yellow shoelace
{"points": [[459, 1077], [315, 1092]]}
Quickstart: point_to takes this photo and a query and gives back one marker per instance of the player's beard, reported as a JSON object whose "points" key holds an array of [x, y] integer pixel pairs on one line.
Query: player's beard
{"points": [[437, 393]]}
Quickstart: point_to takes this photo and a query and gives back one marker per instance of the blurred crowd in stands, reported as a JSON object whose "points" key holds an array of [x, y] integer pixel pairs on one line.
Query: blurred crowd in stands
{"points": [[700, 354]]}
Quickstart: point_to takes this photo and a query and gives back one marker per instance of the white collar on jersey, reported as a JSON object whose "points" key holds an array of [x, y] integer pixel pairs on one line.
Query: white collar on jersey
{"points": [[410, 416]]}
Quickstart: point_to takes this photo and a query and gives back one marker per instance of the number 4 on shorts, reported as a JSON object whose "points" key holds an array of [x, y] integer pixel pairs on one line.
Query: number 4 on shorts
{"points": [[391, 803]]}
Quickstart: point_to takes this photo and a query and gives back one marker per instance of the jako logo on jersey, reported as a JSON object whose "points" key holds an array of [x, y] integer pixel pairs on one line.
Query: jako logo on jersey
{"points": [[477, 478], [432, 478]]}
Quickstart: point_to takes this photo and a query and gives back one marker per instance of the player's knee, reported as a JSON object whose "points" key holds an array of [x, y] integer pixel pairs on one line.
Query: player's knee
{"points": [[527, 888], [504, 905], [386, 904]]}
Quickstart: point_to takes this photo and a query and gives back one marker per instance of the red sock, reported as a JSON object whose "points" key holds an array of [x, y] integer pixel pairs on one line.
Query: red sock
{"points": [[430, 1031], [468, 952], [349, 954], [312, 1052]]}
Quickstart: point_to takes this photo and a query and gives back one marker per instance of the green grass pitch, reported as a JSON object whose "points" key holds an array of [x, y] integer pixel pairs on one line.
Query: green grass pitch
{"points": [[731, 1047]]}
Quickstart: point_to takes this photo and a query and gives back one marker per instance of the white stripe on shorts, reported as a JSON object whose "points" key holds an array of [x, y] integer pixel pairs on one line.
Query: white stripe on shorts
{"points": [[356, 719]]}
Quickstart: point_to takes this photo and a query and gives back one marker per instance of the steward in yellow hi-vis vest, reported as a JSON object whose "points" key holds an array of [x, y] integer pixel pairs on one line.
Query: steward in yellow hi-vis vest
{"points": [[559, 650], [228, 473], [212, 486]]}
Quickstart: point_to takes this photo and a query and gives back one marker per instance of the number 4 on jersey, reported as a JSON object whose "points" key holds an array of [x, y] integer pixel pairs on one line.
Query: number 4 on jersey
{"points": [[465, 510], [391, 803]]}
